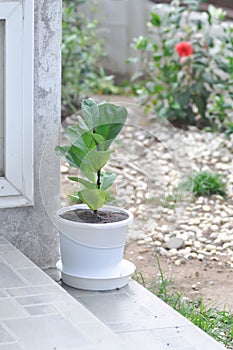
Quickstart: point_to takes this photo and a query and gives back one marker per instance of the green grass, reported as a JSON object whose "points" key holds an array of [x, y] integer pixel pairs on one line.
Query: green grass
{"points": [[218, 324], [205, 183]]}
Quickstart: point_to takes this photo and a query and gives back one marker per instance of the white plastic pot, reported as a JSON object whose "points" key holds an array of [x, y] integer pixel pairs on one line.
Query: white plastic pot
{"points": [[93, 252]]}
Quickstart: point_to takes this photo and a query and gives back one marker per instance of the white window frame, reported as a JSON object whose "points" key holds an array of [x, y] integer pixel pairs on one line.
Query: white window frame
{"points": [[16, 187]]}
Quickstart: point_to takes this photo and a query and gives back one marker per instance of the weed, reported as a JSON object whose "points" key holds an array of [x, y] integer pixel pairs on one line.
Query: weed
{"points": [[205, 183]]}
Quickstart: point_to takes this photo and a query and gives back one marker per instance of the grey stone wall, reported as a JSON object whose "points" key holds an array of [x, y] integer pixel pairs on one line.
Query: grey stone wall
{"points": [[30, 229]]}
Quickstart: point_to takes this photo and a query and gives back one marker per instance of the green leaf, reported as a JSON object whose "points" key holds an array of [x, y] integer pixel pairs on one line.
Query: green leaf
{"points": [[95, 160], [157, 57], [98, 139], [91, 112], [81, 138], [74, 198], [155, 20], [111, 121], [142, 43], [94, 199], [85, 183], [107, 179], [71, 154]]}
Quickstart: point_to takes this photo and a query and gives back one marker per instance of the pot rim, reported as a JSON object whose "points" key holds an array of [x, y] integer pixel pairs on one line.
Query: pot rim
{"points": [[90, 225]]}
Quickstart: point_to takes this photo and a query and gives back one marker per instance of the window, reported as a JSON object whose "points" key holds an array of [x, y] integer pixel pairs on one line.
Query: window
{"points": [[2, 45], [16, 103]]}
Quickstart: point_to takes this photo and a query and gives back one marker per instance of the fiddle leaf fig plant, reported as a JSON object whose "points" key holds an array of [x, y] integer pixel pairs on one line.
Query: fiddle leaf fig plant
{"points": [[88, 149]]}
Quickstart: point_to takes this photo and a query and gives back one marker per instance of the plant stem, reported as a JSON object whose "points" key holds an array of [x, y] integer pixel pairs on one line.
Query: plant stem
{"points": [[98, 179]]}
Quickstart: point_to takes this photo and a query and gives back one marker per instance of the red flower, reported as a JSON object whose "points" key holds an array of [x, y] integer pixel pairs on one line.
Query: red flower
{"points": [[184, 49]]}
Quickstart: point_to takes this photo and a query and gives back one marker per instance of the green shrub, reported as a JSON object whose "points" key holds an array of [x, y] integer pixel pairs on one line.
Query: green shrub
{"points": [[82, 74], [187, 65], [204, 183]]}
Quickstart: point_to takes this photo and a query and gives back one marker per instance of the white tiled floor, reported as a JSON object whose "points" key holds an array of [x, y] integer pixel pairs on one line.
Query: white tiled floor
{"points": [[37, 314]]}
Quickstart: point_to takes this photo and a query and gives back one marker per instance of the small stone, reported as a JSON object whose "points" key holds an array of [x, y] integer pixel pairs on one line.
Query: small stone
{"points": [[187, 250], [206, 208], [174, 243], [141, 242], [227, 245], [217, 221], [64, 169], [200, 257], [210, 247], [197, 244], [177, 262], [172, 252], [203, 239], [157, 243], [140, 257], [148, 239], [195, 287], [229, 264], [214, 228], [214, 235], [214, 258], [188, 243]]}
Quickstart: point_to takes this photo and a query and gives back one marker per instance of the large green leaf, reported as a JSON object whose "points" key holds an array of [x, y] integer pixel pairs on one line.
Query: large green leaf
{"points": [[107, 179], [111, 121], [91, 113], [94, 199], [82, 138], [105, 120], [85, 183], [95, 160], [72, 154]]}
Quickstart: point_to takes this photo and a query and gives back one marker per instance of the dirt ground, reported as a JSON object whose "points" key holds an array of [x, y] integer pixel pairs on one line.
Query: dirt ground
{"points": [[210, 280]]}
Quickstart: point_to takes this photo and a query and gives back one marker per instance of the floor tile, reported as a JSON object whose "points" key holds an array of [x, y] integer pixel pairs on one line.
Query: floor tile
{"points": [[35, 276], [5, 336], [31, 291], [9, 309], [37, 310], [16, 259], [8, 278], [140, 340], [3, 241], [10, 347], [42, 299], [47, 333]]}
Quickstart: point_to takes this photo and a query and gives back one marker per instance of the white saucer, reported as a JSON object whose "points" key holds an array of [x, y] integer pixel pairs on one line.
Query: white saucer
{"points": [[116, 281]]}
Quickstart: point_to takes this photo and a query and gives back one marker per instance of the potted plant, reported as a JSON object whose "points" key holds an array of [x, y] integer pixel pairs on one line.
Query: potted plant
{"points": [[92, 234]]}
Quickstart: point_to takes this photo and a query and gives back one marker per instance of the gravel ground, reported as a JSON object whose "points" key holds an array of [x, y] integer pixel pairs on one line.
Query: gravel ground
{"points": [[151, 159]]}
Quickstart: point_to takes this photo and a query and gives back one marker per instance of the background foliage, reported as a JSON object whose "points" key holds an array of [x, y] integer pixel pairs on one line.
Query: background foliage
{"points": [[197, 89], [82, 74]]}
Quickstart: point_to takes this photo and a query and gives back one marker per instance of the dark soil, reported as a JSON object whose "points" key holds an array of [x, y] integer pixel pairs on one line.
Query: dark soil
{"points": [[89, 217]]}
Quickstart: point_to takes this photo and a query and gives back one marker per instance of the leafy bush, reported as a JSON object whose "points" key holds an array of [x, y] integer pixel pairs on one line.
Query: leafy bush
{"points": [[205, 183], [81, 50], [187, 65]]}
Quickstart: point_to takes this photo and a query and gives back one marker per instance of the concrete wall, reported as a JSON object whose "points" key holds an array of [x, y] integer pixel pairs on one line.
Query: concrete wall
{"points": [[30, 228], [1, 98], [120, 22]]}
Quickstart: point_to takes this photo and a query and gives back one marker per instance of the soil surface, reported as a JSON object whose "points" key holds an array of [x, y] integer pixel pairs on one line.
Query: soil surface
{"points": [[210, 280], [88, 216]]}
